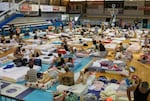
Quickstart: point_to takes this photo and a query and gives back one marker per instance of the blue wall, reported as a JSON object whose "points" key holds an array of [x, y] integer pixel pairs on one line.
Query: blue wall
{"points": [[30, 29], [10, 19]]}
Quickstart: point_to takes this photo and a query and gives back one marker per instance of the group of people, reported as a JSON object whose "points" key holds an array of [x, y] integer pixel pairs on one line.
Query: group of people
{"points": [[59, 63]]}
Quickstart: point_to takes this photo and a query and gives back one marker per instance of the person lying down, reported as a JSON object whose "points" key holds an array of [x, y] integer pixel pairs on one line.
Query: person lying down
{"points": [[49, 75]]}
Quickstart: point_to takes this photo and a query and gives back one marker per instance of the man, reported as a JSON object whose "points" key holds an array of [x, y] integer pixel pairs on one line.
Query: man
{"points": [[31, 74], [141, 91], [101, 46]]}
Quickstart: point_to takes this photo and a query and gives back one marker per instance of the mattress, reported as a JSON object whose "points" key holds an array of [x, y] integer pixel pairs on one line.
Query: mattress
{"points": [[116, 41], [35, 41], [38, 34], [46, 59], [134, 47], [99, 54], [15, 74], [111, 46], [111, 34], [87, 39], [8, 44], [120, 39], [51, 36], [134, 40], [78, 89], [120, 69]]}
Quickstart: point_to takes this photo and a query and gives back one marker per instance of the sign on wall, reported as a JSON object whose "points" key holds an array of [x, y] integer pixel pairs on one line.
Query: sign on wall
{"points": [[33, 7]]}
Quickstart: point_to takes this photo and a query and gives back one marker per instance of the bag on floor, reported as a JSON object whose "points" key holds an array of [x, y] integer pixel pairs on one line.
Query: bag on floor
{"points": [[24, 62], [38, 62]]}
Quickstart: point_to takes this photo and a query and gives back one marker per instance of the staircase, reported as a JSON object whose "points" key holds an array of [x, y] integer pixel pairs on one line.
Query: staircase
{"points": [[10, 14]]}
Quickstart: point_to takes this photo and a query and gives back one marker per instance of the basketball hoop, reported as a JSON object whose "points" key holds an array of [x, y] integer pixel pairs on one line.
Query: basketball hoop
{"points": [[113, 5], [113, 11]]}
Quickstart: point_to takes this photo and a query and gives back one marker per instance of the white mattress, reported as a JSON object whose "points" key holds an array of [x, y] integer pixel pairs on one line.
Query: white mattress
{"points": [[78, 89], [87, 39], [15, 74], [111, 34], [36, 41], [111, 46], [135, 40], [47, 60], [51, 36], [120, 39], [116, 41], [8, 44], [38, 33], [134, 47]]}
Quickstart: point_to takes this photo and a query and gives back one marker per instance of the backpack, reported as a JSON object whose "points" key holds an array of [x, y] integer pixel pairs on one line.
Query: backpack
{"points": [[18, 62], [38, 62]]}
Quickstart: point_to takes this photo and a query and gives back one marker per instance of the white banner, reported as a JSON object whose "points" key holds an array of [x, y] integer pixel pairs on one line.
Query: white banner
{"points": [[34, 8], [46, 8]]}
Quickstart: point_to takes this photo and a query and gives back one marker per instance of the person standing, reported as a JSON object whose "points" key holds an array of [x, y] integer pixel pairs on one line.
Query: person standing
{"points": [[141, 91]]}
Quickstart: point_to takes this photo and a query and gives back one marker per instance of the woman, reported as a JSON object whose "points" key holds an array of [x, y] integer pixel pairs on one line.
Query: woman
{"points": [[101, 46], [141, 91], [17, 53]]}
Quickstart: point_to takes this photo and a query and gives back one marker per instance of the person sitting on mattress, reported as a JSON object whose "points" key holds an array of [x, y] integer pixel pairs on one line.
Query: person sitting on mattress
{"points": [[118, 55], [70, 63], [17, 53], [31, 75], [121, 48], [2, 39], [66, 78], [19, 39], [58, 61], [95, 43], [83, 76], [101, 46]]}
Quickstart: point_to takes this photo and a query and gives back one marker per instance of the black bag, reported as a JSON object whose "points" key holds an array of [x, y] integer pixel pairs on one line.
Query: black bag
{"points": [[18, 62], [24, 62], [85, 44], [38, 62]]}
